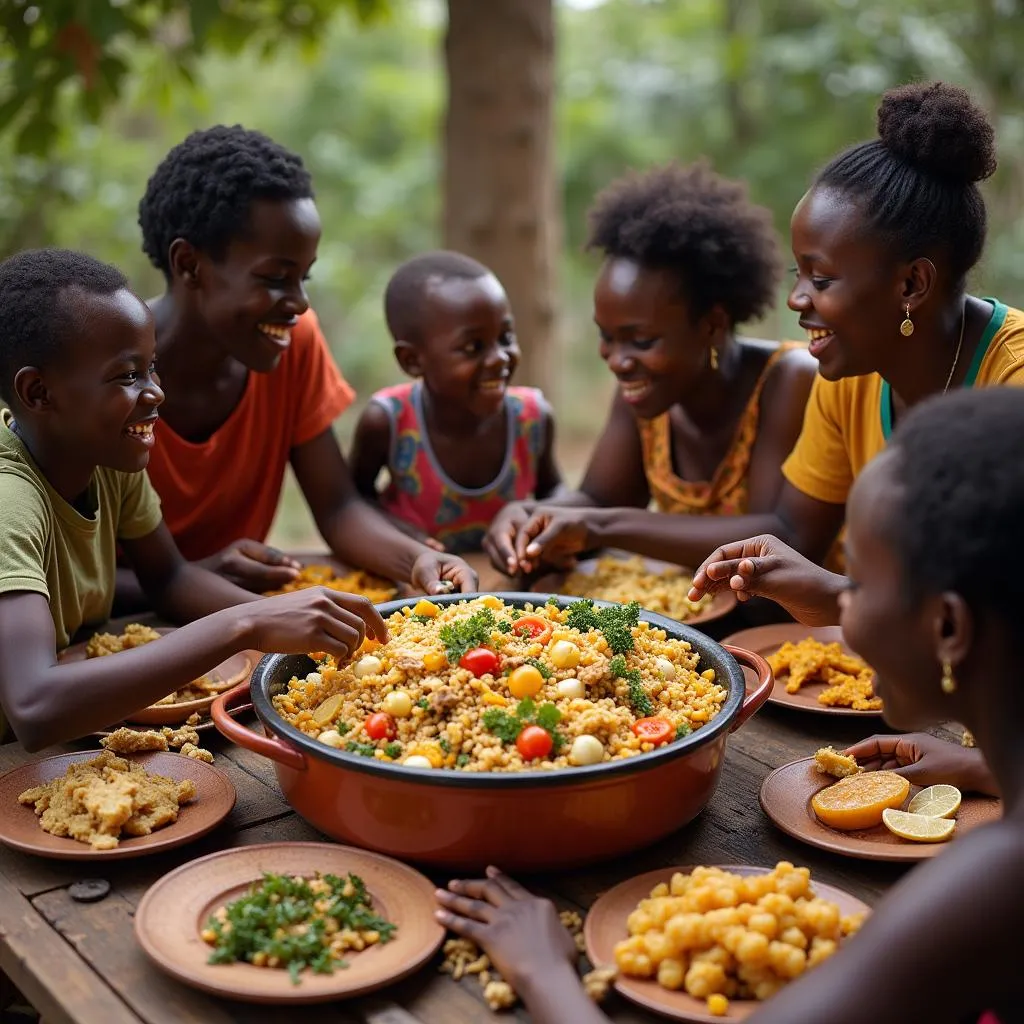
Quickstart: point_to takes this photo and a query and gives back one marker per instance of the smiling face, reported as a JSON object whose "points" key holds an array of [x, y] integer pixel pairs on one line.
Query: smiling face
{"points": [[847, 289], [252, 296], [649, 339], [894, 631], [467, 350], [102, 394]]}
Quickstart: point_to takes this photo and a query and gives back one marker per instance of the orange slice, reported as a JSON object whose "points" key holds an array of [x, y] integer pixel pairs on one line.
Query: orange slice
{"points": [[858, 801]]}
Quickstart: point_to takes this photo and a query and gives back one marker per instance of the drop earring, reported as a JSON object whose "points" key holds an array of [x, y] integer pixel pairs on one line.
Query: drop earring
{"points": [[948, 682], [907, 327], [713, 358]]}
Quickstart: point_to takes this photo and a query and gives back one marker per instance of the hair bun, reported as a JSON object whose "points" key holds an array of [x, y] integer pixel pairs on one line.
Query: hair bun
{"points": [[938, 129]]}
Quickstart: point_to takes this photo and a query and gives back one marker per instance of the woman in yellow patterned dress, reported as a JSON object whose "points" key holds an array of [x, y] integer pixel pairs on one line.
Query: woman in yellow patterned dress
{"points": [[702, 419]]}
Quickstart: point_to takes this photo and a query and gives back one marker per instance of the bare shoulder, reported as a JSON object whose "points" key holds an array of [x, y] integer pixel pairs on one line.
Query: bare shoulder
{"points": [[374, 422]]}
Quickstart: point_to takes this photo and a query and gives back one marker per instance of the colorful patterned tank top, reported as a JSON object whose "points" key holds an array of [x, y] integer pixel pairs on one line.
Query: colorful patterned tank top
{"points": [[422, 494], [727, 493]]}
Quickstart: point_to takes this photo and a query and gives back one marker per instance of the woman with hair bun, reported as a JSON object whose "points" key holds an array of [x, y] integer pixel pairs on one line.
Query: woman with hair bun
{"points": [[884, 241]]}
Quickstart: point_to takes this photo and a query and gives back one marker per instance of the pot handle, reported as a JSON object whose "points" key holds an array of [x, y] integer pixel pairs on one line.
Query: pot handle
{"points": [[277, 750], [754, 699]]}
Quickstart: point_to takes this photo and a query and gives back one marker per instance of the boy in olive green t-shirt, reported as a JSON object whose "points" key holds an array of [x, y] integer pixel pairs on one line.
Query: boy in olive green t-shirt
{"points": [[77, 370]]}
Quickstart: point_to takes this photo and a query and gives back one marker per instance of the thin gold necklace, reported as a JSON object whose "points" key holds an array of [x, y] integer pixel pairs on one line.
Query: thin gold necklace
{"points": [[959, 345]]}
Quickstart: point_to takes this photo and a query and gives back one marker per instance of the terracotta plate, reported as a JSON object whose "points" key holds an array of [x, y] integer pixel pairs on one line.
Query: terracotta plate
{"points": [[721, 604], [229, 673], [766, 640], [786, 799], [174, 910], [19, 826], [606, 925]]}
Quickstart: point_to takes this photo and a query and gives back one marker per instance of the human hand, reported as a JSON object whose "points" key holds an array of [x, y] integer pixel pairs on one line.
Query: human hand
{"points": [[520, 932], [765, 567], [253, 566], [315, 619], [554, 536], [439, 573], [926, 761], [500, 542]]}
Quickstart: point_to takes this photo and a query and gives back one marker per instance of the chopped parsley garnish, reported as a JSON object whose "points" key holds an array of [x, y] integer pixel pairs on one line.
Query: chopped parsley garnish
{"points": [[504, 627], [444, 745], [393, 750], [683, 729], [514, 613], [424, 619], [362, 749], [281, 916], [616, 623], [508, 725], [342, 727], [423, 703], [464, 635], [638, 699], [552, 599], [545, 672], [462, 760]]}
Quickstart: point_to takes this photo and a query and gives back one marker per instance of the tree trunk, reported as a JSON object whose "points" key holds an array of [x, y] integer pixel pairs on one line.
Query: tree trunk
{"points": [[501, 201]]}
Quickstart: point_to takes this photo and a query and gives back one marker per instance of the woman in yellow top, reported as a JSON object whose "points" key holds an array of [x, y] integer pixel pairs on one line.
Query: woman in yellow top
{"points": [[883, 240], [702, 420]]}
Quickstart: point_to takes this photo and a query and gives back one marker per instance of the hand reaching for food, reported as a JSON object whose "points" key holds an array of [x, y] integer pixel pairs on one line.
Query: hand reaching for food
{"points": [[552, 536], [926, 761], [253, 566], [765, 567], [500, 542], [438, 572]]}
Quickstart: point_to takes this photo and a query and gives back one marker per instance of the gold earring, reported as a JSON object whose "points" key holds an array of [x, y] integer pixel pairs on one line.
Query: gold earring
{"points": [[907, 327], [713, 358], [948, 682]]}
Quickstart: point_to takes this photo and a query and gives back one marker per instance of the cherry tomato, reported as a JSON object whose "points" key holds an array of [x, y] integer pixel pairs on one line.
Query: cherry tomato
{"points": [[481, 661], [525, 681], [534, 743], [654, 730], [534, 627], [380, 726]]}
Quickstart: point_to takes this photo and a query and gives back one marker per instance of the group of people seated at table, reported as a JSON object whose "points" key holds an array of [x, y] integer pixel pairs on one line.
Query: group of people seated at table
{"points": [[144, 447]]}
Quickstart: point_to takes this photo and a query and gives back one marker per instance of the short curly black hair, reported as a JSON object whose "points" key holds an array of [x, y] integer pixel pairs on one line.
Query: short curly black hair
{"points": [[406, 290], [698, 225], [917, 180], [40, 317], [960, 497], [203, 189]]}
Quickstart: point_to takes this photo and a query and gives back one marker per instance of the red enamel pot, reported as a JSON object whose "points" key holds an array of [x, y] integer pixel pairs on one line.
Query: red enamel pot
{"points": [[525, 821]]}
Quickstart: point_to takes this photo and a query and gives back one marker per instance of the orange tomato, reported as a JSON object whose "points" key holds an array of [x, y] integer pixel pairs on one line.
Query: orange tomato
{"points": [[533, 627], [654, 730]]}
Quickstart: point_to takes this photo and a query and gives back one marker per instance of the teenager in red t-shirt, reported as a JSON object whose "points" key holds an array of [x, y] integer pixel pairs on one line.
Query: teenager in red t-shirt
{"points": [[230, 219]]}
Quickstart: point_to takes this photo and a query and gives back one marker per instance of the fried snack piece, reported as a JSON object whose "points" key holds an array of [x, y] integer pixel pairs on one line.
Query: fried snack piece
{"points": [[196, 753], [132, 741], [96, 801], [849, 681], [829, 761]]}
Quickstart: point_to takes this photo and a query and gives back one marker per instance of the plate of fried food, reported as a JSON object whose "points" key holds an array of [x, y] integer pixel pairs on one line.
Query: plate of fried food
{"points": [[321, 570], [193, 698], [703, 944], [830, 802], [659, 587], [95, 804], [290, 922], [814, 669]]}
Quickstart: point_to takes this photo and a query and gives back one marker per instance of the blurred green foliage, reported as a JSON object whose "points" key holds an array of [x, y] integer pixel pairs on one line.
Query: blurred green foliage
{"points": [[766, 89]]}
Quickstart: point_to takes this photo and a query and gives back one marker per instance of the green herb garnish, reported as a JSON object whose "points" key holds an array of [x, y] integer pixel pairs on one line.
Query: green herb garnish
{"points": [[279, 917], [444, 745], [507, 726], [545, 672], [504, 627], [423, 703], [616, 623], [683, 729], [362, 749], [638, 699], [464, 635], [393, 750], [462, 760], [425, 619], [552, 599]]}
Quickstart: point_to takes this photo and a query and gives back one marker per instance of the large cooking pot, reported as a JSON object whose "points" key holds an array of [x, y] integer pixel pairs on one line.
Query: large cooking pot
{"points": [[523, 821]]}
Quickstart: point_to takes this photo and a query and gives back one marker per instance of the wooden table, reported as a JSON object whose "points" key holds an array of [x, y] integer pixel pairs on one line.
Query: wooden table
{"points": [[79, 962]]}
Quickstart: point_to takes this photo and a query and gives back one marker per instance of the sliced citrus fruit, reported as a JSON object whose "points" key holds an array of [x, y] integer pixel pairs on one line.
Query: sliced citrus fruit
{"points": [[859, 800], [941, 801], [918, 827]]}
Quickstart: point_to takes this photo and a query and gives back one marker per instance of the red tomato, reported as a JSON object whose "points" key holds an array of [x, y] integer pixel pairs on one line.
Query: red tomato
{"points": [[535, 627], [380, 726], [481, 661], [653, 730], [534, 743]]}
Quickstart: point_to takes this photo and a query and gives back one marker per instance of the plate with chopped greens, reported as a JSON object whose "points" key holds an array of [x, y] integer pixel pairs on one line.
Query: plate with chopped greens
{"points": [[290, 922]]}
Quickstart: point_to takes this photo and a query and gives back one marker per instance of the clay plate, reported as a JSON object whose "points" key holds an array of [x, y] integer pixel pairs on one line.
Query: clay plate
{"points": [[786, 799], [721, 604], [766, 640], [174, 910], [229, 673], [19, 826], [606, 925]]}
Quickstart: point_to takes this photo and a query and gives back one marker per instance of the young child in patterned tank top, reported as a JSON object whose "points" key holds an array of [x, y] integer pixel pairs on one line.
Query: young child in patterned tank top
{"points": [[459, 442]]}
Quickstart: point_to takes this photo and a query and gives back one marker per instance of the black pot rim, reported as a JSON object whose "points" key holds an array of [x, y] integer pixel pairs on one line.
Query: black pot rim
{"points": [[717, 728]]}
